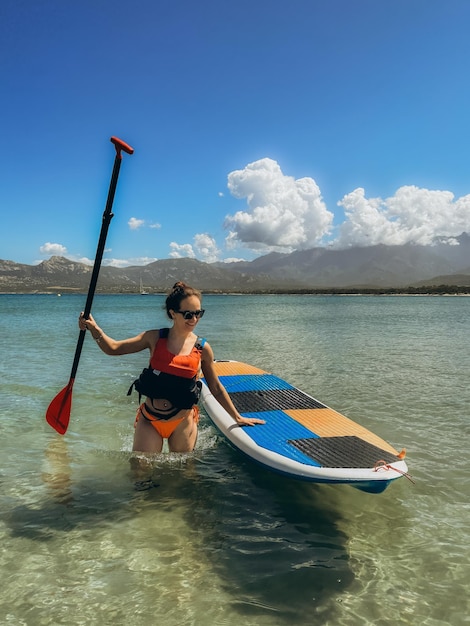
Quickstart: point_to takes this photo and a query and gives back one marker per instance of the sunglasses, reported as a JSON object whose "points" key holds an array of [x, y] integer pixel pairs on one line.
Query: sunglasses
{"points": [[188, 315]]}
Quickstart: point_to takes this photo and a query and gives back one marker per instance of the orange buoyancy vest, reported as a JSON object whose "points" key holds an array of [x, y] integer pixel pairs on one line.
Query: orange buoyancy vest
{"points": [[185, 365], [170, 376]]}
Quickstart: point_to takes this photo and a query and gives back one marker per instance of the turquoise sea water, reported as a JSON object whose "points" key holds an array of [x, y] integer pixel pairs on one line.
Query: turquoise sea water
{"points": [[221, 541]]}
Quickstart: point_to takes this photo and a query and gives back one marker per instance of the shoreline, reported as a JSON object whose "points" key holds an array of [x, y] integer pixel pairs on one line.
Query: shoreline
{"points": [[393, 292]]}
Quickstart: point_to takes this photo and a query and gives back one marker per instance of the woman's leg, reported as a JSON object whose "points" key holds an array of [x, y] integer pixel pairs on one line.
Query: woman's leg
{"points": [[184, 437], [146, 438]]}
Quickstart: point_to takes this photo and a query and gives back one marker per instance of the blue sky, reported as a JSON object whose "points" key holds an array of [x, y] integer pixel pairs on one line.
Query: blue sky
{"points": [[257, 126]]}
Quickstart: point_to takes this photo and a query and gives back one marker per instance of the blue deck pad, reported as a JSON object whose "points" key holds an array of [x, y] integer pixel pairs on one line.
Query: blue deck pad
{"points": [[274, 435], [253, 382]]}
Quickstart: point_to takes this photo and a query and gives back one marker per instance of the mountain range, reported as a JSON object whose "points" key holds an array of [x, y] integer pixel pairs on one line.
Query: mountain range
{"points": [[373, 267]]}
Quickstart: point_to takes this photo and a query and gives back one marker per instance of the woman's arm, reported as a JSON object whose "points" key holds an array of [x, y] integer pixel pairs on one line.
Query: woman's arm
{"points": [[218, 390], [113, 347]]}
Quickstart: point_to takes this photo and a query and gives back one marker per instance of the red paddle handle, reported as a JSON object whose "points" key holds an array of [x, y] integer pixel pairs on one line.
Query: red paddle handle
{"points": [[121, 145]]}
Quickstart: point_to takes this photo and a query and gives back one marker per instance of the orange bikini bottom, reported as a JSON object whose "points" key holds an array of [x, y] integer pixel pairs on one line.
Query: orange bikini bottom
{"points": [[164, 428]]}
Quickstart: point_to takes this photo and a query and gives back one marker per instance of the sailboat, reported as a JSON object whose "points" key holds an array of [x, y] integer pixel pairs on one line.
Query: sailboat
{"points": [[143, 292]]}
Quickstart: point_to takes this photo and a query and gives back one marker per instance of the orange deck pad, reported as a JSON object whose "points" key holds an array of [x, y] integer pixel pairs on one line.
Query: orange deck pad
{"points": [[234, 368], [330, 423]]}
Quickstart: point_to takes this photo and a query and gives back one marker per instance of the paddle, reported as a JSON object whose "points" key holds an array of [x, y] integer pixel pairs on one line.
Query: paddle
{"points": [[58, 413]]}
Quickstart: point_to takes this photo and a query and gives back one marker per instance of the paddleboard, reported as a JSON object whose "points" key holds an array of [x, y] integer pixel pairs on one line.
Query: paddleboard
{"points": [[302, 437]]}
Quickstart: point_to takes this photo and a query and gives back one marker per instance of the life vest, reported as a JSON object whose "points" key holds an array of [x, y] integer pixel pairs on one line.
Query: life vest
{"points": [[171, 376]]}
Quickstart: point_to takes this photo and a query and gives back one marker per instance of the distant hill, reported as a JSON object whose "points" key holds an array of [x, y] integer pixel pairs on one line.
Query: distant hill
{"points": [[318, 268], [60, 274], [373, 266], [457, 280]]}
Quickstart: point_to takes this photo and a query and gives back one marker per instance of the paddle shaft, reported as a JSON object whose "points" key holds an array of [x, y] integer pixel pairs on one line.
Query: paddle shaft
{"points": [[58, 412], [107, 217]]}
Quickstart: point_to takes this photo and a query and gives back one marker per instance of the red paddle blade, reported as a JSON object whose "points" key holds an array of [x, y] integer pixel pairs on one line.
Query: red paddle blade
{"points": [[58, 413]]}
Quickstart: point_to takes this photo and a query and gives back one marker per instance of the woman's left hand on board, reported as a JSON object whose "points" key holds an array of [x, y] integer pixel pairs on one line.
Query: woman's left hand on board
{"points": [[249, 421]]}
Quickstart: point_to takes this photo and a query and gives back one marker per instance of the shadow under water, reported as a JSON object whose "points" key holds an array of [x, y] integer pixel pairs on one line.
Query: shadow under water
{"points": [[66, 503], [273, 542]]}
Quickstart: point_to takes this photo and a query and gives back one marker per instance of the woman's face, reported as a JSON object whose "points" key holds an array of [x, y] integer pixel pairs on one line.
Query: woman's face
{"points": [[192, 304]]}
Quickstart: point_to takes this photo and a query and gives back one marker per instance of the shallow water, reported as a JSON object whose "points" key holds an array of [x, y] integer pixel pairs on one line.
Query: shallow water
{"points": [[219, 540]]}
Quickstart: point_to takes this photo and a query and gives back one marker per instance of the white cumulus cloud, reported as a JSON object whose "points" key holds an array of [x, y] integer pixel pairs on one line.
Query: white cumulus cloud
{"points": [[412, 215], [135, 224], [51, 249], [283, 213], [204, 248], [286, 214], [145, 260], [179, 251]]}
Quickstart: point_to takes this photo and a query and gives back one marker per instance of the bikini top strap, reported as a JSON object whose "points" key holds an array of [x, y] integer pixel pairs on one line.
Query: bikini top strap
{"points": [[200, 341]]}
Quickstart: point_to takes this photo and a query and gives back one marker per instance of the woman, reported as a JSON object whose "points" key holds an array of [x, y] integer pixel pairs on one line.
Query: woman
{"points": [[170, 383]]}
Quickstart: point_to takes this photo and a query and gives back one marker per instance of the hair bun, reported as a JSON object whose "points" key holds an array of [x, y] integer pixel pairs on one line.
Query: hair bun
{"points": [[179, 287], [179, 292]]}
